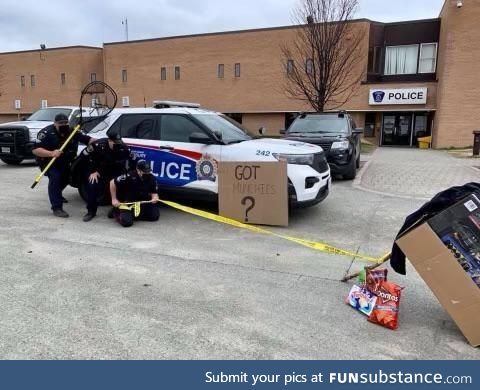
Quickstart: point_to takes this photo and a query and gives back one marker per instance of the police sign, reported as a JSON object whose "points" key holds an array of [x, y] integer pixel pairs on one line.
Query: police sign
{"points": [[398, 96]]}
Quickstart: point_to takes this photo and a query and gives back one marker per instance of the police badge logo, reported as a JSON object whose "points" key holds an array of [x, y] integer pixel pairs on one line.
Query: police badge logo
{"points": [[207, 168]]}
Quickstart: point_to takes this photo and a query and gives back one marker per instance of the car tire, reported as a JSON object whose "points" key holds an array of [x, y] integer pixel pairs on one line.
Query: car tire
{"points": [[358, 162], [103, 199], [351, 170], [12, 161]]}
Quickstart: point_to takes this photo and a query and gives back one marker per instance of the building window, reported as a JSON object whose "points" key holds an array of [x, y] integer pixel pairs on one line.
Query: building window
{"points": [[401, 59], [428, 58], [177, 73], [374, 59], [32, 80], [124, 75], [290, 66], [309, 66], [237, 70], [163, 74], [22, 81], [93, 77], [62, 78], [221, 71]]}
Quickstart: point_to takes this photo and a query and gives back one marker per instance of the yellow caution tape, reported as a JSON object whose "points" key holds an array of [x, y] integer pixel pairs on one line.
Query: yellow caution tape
{"points": [[319, 246]]}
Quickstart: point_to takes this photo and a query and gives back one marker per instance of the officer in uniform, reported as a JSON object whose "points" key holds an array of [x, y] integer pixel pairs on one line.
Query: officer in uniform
{"points": [[106, 159], [137, 185], [49, 140]]}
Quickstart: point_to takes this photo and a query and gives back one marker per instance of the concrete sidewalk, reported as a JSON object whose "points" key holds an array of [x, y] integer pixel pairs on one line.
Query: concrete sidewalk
{"points": [[415, 173]]}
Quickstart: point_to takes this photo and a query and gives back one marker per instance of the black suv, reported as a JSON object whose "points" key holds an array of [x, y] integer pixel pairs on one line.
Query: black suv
{"points": [[336, 133]]}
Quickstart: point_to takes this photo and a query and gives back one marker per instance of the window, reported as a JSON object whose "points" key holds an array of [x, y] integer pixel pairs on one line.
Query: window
{"points": [[177, 73], [22, 81], [401, 59], [428, 58], [32, 80], [62, 78], [124, 75], [139, 126], [163, 74], [178, 128], [309, 66], [93, 77], [221, 71], [290, 65], [374, 58], [226, 128], [236, 117], [237, 70]]}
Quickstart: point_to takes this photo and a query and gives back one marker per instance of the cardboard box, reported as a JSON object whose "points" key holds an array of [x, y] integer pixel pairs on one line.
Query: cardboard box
{"points": [[445, 251], [254, 192]]}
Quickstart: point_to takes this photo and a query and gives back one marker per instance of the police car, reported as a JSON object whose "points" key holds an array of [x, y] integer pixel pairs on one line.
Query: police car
{"points": [[185, 143]]}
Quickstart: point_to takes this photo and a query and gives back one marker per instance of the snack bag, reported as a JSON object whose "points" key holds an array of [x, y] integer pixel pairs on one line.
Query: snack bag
{"points": [[387, 306], [361, 299], [374, 277]]}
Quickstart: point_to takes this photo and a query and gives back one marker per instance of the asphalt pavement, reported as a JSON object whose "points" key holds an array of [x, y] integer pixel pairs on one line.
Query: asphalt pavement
{"points": [[189, 288]]}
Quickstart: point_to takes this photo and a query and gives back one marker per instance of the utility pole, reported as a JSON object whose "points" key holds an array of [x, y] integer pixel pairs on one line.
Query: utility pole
{"points": [[125, 23]]}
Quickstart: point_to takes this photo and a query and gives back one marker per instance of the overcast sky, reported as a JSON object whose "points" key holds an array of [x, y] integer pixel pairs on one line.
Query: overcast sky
{"points": [[25, 24]]}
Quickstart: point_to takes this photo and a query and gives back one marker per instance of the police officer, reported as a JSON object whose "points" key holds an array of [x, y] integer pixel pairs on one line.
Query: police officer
{"points": [[107, 158], [137, 185], [49, 140]]}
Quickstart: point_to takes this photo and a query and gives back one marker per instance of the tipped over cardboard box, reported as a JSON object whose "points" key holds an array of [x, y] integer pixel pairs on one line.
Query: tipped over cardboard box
{"points": [[445, 251]]}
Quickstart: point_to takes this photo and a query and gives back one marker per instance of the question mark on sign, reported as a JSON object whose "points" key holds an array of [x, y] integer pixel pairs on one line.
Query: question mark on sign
{"points": [[252, 205]]}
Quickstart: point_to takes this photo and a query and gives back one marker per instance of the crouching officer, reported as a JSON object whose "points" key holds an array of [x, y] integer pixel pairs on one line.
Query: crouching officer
{"points": [[107, 158], [135, 186], [49, 140]]}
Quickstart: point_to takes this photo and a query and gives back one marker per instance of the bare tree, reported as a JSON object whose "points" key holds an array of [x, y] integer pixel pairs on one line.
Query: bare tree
{"points": [[322, 62]]}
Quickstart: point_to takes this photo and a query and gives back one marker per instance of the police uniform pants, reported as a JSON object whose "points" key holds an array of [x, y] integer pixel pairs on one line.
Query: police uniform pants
{"points": [[93, 190], [148, 212], [57, 181]]}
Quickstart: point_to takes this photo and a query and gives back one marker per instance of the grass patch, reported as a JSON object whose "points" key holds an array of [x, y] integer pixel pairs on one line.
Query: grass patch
{"points": [[367, 148]]}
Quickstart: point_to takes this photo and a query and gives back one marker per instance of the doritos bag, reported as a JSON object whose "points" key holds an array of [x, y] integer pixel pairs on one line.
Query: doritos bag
{"points": [[386, 309]]}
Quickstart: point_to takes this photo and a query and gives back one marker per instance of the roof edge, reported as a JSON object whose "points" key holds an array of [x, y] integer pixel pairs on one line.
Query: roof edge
{"points": [[52, 49]]}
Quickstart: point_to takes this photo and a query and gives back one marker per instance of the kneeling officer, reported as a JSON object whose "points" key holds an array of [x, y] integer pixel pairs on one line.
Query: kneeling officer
{"points": [[106, 158], [136, 186]]}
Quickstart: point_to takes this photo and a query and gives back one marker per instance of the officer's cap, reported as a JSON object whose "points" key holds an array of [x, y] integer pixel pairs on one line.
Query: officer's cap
{"points": [[144, 166], [114, 136], [61, 117]]}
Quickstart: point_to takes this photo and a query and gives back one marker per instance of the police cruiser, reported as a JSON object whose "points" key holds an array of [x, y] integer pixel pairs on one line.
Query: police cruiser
{"points": [[185, 143]]}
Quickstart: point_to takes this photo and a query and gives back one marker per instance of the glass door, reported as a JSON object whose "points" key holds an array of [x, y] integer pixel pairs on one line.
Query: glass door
{"points": [[397, 129]]}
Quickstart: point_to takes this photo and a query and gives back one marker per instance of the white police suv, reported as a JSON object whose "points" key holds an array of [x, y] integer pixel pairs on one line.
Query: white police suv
{"points": [[184, 144]]}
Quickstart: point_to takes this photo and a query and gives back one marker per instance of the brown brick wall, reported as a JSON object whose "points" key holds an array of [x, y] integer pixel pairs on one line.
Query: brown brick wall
{"points": [[459, 74], [273, 123], [77, 63]]}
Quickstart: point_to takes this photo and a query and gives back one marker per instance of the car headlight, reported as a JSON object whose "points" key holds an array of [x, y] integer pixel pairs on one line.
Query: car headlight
{"points": [[300, 159], [33, 134], [340, 145]]}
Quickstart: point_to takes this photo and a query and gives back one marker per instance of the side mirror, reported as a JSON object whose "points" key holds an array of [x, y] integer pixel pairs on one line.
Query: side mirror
{"points": [[283, 131], [358, 131], [24, 118], [262, 130], [200, 138]]}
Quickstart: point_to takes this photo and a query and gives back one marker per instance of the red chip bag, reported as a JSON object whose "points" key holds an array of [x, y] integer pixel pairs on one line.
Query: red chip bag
{"points": [[374, 278], [386, 309]]}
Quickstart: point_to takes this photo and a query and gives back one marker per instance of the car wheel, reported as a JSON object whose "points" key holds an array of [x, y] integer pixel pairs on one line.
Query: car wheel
{"points": [[12, 161], [351, 171], [358, 161], [103, 198]]}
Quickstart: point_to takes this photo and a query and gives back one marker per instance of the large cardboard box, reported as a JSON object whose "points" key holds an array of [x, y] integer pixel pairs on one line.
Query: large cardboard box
{"points": [[254, 192], [445, 251]]}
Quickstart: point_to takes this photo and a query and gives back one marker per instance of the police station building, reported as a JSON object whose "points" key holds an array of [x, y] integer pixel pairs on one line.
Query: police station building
{"points": [[420, 78]]}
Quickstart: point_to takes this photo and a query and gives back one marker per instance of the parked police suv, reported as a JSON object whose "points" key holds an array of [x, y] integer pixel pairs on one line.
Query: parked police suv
{"points": [[17, 138], [184, 144], [336, 133]]}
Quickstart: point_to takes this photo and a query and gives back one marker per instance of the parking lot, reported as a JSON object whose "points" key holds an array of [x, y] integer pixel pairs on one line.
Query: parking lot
{"points": [[189, 288]]}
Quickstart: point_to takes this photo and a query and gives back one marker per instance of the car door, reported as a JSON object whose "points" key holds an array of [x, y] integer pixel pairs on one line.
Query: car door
{"points": [[184, 163]]}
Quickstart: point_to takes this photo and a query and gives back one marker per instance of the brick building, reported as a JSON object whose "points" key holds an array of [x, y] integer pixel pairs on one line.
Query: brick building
{"points": [[420, 77]]}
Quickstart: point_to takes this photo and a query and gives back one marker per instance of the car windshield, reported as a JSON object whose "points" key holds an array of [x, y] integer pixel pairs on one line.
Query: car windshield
{"points": [[319, 124], [229, 130], [48, 114]]}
